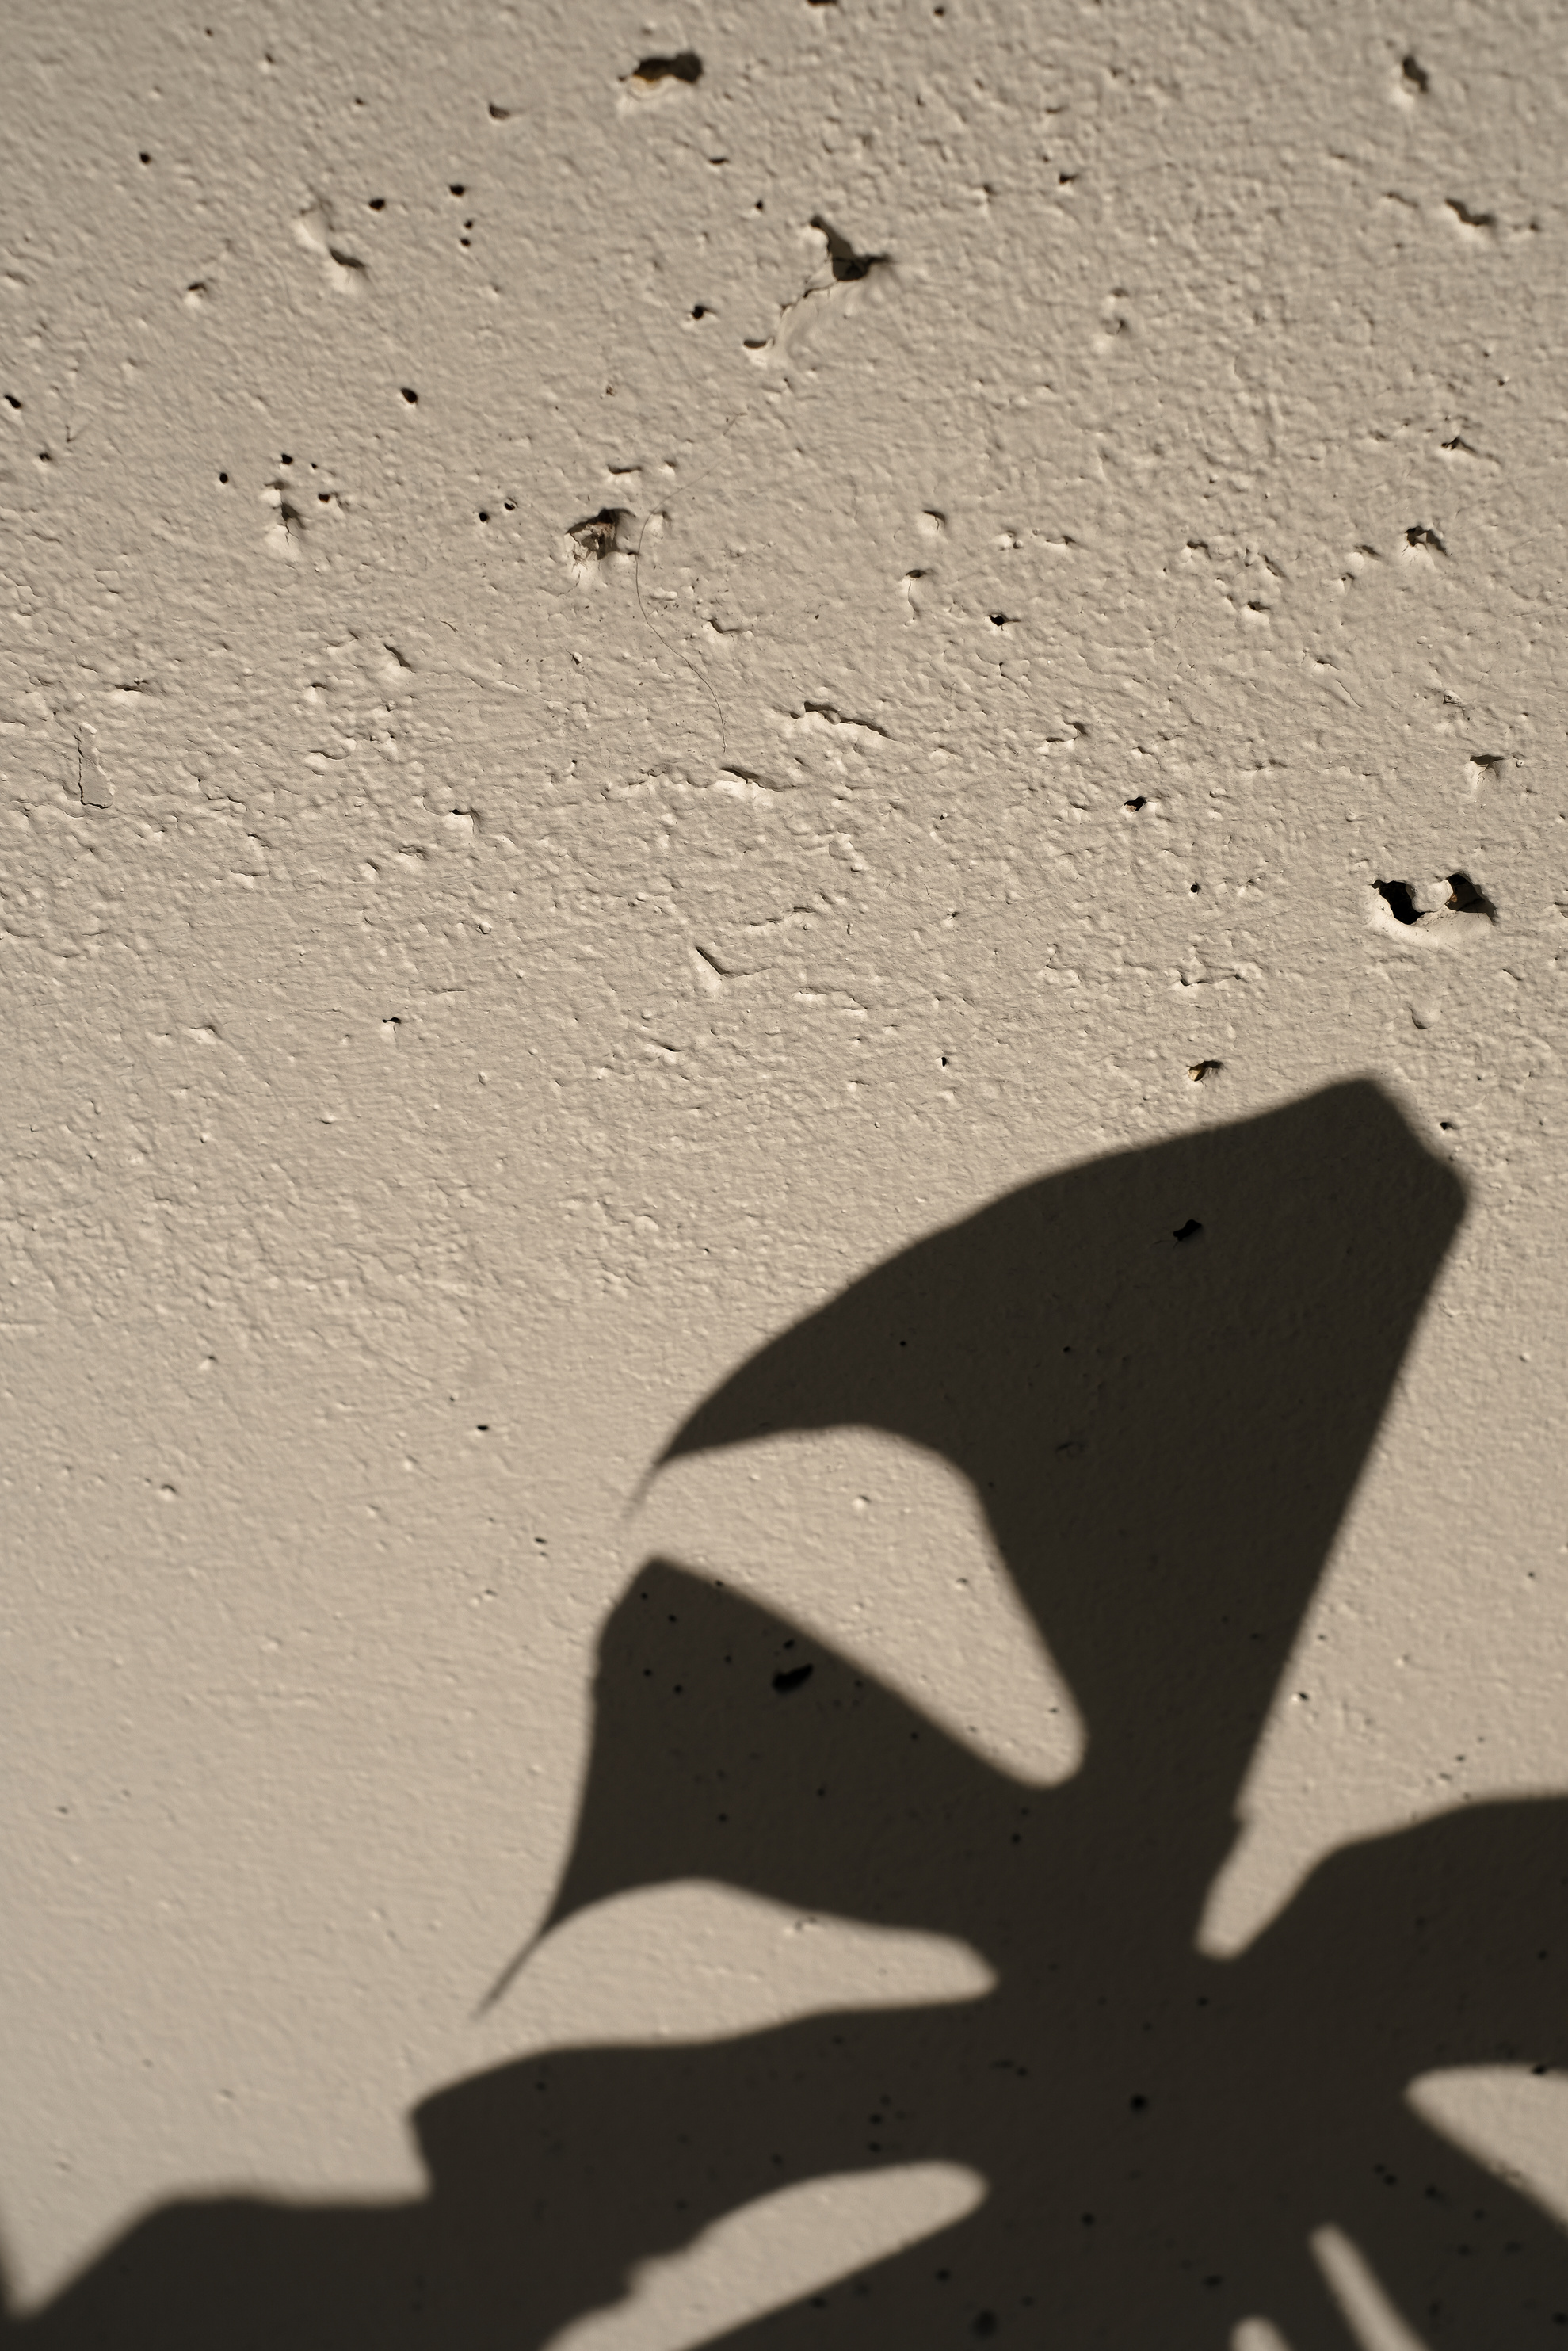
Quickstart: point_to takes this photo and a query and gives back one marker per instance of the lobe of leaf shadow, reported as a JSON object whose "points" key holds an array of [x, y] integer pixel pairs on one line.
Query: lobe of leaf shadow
{"points": [[806, 1791], [1191, 1383]]}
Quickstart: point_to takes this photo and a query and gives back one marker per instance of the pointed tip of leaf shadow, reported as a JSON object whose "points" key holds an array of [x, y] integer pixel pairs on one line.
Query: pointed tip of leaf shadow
{"points": [[511, 1972]]}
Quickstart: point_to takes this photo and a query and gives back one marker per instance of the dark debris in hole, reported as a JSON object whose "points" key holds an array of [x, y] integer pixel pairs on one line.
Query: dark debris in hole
{"points": [[847, 262], [1419, 535], [686, 66], [1396, 896], [1136, 804], [594, 536], [1465, 898]]}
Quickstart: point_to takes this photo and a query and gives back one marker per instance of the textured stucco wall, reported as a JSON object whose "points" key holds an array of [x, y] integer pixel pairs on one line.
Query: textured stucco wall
{"points": [[468, 988]]}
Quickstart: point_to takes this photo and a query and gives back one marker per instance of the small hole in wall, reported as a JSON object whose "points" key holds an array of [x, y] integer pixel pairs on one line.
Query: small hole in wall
{"points": [[223, 477], [848, 265], [1465, 898], [795, 1678], [456, 188], [699, 309], [483, 514], [1195, 887], [1416, 76], [378, 203], [1135, 804], [410, 396], [1190, 1231], [686, 66], [145, 157], [1397, 898]]}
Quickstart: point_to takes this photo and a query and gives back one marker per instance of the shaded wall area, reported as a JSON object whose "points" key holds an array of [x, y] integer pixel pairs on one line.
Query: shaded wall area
{"points": [[1162, 1373]]}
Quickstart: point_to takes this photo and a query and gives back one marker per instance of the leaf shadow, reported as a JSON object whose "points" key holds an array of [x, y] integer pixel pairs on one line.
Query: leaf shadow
{"points": [[1162, 1373]]}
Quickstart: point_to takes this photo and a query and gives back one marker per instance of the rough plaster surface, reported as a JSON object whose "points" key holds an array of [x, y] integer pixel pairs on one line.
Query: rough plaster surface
{"points": [[623, 699]]}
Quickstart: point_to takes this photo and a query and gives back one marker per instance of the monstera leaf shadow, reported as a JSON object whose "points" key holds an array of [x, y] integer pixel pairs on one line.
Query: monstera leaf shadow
{"points": [[1162, 1373]]}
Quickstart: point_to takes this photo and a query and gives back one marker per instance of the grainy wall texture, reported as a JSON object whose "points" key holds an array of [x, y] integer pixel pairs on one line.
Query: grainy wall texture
{"points": [[785, 909]]}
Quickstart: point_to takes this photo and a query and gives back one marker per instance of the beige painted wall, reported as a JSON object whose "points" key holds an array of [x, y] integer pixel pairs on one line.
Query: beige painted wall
{"points": [[468, 988]]}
